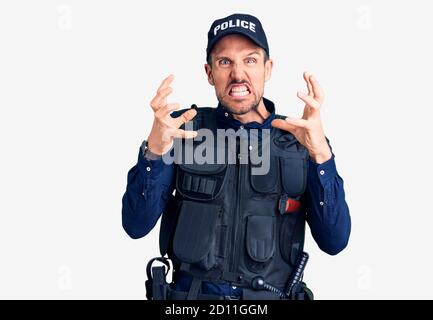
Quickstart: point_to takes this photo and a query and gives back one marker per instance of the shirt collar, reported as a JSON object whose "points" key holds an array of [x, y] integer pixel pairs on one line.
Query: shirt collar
{"points": [[225, 118]]}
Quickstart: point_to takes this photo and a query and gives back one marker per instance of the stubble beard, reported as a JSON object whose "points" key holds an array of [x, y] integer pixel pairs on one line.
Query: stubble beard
{"points": [[236, 111]]}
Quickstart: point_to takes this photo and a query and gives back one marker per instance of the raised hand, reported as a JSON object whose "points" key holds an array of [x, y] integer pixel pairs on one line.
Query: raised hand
{"points": [[165, 128], [308, 130]]}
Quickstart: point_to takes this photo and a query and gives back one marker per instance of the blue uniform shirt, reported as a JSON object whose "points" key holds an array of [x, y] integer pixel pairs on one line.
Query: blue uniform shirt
{"points": [[151, 183]]}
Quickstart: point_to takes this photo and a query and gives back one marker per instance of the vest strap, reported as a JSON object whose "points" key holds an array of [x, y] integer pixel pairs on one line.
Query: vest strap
{"points": [[216, 275], [211, 275], [194, 289]]}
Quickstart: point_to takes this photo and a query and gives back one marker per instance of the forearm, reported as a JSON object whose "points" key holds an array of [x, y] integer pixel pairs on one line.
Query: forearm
{"points": [[150, 184], [327, 211]]}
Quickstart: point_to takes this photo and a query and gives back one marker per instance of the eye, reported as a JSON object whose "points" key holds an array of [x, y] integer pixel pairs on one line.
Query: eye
{"points": [[251, 60], [223, 62]]}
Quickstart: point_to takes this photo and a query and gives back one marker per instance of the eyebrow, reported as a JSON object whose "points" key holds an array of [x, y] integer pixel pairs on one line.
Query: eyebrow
{"points": [[253, 52], [249, 54], [221, 57]]}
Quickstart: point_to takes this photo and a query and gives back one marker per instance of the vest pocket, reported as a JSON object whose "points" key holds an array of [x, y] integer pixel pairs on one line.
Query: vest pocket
{"points": [[291, 237], [200, 182], [260, 242], [293, 175], [194, 240], [265, 183]]}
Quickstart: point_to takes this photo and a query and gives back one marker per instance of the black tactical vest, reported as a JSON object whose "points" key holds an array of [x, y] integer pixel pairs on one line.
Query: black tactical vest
{"points": [[225, 224]]}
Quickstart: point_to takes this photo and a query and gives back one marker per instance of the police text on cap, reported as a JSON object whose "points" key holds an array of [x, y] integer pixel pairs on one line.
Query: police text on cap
{"points": [[230, 24]]}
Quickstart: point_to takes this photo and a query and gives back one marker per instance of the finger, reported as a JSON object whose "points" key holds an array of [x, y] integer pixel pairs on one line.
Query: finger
{"points": [[283, 125], [317, 89], [167, 109], [307, 80], [185, 117], [308, 100], [168, 134], [158, 101], [296, 122], [179, 133], [166, 83]]}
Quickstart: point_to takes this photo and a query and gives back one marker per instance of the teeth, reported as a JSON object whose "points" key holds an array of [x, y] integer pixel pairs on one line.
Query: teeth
{"points": [[239, 93], [239, 89]]}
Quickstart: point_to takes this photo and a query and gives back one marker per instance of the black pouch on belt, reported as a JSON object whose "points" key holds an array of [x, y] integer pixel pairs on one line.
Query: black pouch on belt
{"points": [[156, 284]]}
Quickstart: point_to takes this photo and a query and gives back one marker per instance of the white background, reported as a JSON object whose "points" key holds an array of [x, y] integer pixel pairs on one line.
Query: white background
{"points": [[76, 78]]}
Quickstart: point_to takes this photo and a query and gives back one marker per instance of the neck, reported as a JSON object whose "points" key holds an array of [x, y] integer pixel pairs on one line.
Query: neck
{"points": [[259, 114]]}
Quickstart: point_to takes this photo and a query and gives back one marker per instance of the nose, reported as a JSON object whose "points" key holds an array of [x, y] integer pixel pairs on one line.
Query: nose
{"points": [[237, 72]]}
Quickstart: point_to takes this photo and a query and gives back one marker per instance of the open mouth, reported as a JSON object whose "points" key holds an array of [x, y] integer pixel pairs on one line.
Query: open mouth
{"points": [[237, 91]]}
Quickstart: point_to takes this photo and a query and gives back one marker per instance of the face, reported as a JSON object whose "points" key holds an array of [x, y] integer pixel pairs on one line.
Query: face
{"points": [[238, 72]]}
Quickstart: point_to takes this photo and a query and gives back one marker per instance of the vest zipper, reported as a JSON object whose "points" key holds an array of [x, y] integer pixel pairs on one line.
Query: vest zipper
{"points": [[236, 217]]}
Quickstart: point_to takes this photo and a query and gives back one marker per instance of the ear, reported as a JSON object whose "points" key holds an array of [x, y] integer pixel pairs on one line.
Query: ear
{"points": [[268, 69], [208, 70]]}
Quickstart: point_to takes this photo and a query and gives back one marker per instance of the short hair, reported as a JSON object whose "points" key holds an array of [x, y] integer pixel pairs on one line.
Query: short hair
{"points": [[209, 59]]}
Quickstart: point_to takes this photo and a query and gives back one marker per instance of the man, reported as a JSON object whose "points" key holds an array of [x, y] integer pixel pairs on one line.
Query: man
{"points": [[232, 233]]}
